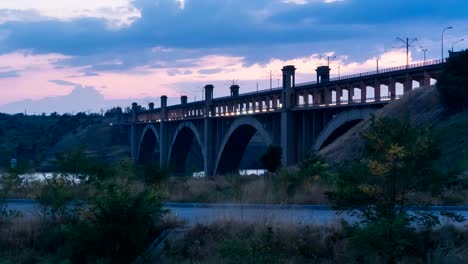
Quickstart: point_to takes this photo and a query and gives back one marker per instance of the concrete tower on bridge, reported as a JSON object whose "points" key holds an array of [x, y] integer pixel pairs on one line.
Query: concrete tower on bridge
{"points": [[288, 140], [323, 74]]}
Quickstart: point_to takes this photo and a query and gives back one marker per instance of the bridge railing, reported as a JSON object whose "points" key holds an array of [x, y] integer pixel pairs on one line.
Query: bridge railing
{"points": [[387, 70], [347, 102]]}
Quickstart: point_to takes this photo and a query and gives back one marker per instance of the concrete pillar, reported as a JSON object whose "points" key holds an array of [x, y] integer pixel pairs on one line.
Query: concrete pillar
{"points": [[392, 89], [163, 133], [350, 94], [288, 129], [306, 135], [427, 80], [134, 139], [327, 95], [183, 100], [363, 92], [209, 100], [317, 97], [306, 98], [234, 90], [408, 84], [339, 94], [289, 86], [323, 74], [377, 91]]}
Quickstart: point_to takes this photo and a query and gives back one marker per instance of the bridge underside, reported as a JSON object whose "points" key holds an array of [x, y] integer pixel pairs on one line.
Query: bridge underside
{"points": [[233, 152], [149, 149], [186, 155]]}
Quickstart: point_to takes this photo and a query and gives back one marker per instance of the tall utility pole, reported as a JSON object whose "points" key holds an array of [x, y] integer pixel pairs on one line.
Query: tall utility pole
{"points": [[424, 50], [442, 42], [408, 45], [453, 44], [271, 81]]}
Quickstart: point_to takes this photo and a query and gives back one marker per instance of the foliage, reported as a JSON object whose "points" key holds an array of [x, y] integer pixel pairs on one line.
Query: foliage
{"points": [[119, 225], [8, 182], [453, 81], [231, 242], [54, 197], [152, 174], [397, 164], [28, 138], [271, 159], [312, 170], [75, 163]]}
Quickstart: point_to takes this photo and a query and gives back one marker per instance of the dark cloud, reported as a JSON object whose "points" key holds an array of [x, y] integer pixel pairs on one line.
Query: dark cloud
{"points": [[210, 71], [63, 83], [86, 74], [78, 100], [258, 30], [9, 74]]}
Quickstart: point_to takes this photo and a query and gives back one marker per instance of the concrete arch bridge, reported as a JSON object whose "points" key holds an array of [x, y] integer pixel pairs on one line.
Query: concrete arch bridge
{"points": [[216, 135]]}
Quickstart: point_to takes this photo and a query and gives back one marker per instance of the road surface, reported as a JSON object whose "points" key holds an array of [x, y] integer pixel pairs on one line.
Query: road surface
{"points": [[193, 213]]}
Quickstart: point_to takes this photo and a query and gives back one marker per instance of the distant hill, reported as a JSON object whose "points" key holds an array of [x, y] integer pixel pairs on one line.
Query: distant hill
{"points": [[424, 107]]}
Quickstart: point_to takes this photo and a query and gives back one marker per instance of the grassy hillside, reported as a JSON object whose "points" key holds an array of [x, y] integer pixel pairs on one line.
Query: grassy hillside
{"points": [[424, 107], [33, 140]]}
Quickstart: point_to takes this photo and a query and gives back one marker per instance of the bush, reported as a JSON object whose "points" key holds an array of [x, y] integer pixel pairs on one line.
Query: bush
{"points": [[453, 82], [398, 163], [54, 196], [118, 226]]}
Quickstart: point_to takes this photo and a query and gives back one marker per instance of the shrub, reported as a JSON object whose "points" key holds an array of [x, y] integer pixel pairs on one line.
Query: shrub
{"points": [[118, 226], [398, 163]]}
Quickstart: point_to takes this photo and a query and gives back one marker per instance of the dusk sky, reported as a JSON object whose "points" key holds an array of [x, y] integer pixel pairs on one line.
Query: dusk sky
{"points": [[80, 55]]}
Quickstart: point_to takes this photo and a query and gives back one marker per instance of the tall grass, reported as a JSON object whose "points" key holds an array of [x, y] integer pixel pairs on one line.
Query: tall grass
{"points": [[242, 189]]}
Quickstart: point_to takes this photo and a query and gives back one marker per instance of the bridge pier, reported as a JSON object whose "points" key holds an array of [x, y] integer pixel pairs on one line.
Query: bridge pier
{"points": [[288, 137], [363, 87], [377, 90], [133, 132], [408, 84], [208, 135], [163, 134]]}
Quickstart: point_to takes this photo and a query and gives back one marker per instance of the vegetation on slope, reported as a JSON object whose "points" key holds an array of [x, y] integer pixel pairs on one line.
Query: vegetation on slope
{"points": [[33, 140]]}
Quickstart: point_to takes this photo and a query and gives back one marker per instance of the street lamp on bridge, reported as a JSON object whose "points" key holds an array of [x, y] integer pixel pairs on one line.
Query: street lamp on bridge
{"points": [[458, 41], [442, 42]]}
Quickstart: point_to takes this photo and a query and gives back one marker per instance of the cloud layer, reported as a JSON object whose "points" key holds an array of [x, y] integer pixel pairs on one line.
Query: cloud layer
{"points": [[144, 48]]}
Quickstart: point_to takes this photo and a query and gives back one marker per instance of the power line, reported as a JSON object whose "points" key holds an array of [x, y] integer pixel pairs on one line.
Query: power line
{"points": [[408, 44]]}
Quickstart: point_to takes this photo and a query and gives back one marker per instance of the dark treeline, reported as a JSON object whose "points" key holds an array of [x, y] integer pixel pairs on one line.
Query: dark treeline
{"points": [[28, 138]]}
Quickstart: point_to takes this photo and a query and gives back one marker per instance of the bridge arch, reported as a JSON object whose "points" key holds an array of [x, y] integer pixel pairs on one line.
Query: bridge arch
{"points": [[149, 149], [235, 142], [186, 147], [343, 122]]}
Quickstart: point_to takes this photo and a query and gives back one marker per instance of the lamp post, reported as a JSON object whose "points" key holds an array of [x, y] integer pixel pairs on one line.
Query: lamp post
{"points": [[453, 44], [424, 50], [442, 42], [377, 60]]}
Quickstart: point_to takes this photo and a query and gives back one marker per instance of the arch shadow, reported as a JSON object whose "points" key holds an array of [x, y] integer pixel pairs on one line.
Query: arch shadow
{"points": [[235, 143], [149, 148], [186, 151], [339, 125]]}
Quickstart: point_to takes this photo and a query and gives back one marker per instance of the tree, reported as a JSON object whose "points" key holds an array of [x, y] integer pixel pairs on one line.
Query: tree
{"points": [[271, 160], [453, 82], [397, 164]]}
